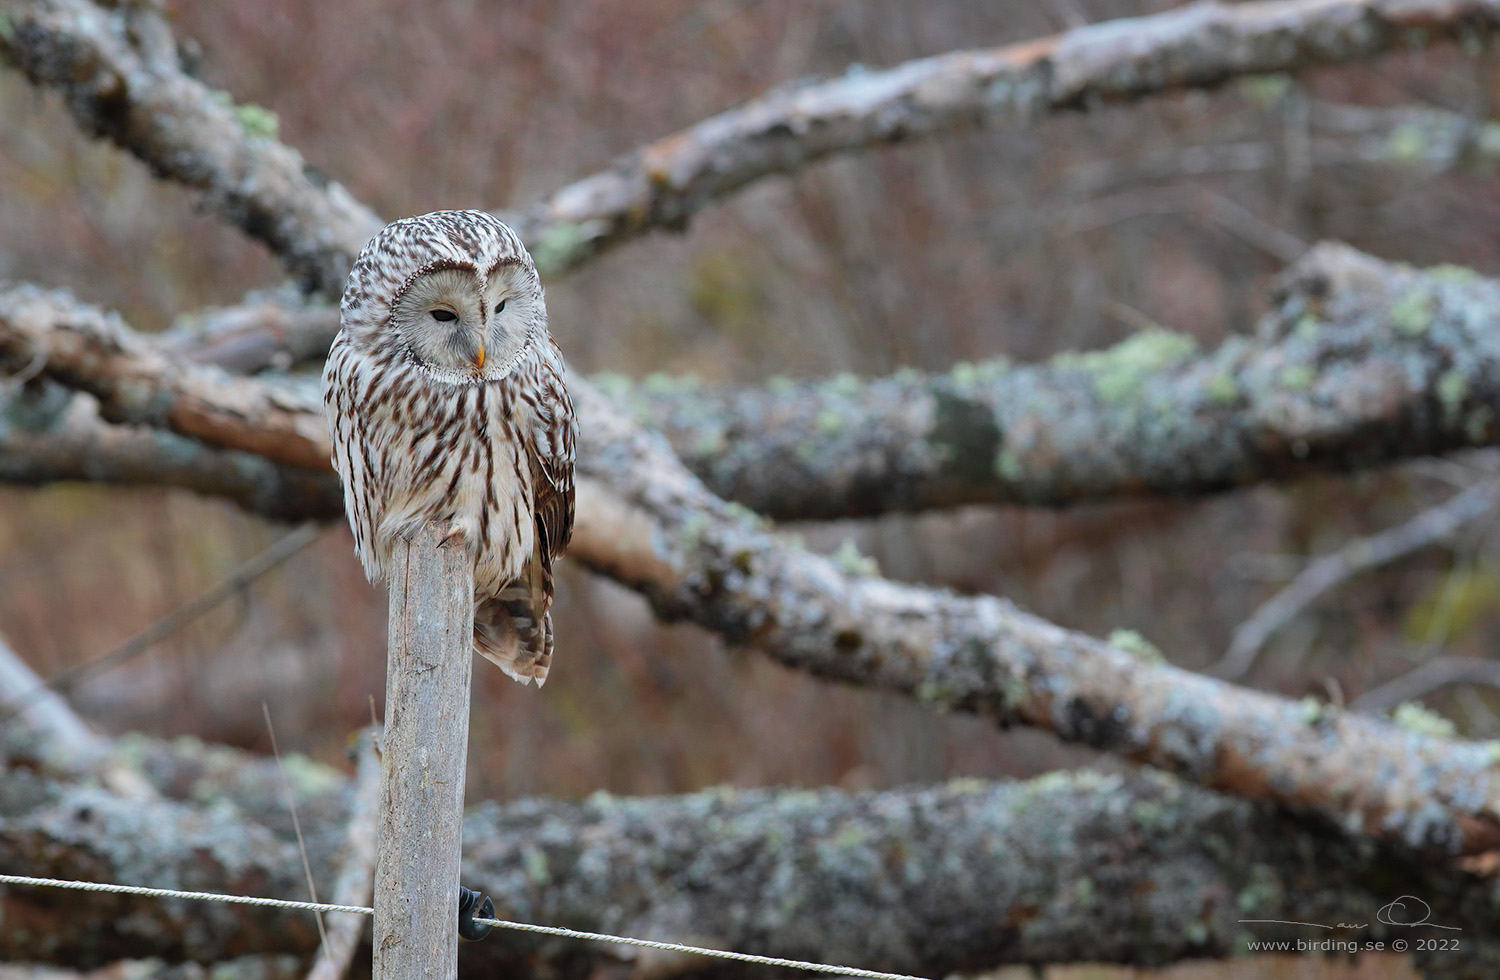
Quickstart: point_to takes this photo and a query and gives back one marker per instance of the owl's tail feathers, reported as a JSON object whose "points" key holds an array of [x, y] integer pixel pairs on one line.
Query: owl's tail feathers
{"points": [[507, 633]]}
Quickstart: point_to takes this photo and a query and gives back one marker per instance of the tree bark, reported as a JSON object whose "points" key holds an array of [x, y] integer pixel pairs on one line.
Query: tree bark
{"points": [[118, 70], [644, 520], [49, 433], [136, 382], [1075, 867], [1201, 45], [1363, 362]]}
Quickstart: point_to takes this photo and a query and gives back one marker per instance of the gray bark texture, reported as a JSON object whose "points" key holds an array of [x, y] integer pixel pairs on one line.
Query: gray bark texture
{"points": [[118, 69], [1362, 362], [1200, 45], [50, 433], [1135, 868], [644, 520], [429, 663]]}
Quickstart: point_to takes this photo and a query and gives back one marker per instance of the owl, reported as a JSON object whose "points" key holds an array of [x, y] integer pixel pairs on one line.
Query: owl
{"points": [[446, 401]]}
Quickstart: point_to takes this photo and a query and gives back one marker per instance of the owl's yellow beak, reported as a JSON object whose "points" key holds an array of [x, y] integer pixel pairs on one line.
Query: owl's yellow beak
{"points": [[479, 358]]}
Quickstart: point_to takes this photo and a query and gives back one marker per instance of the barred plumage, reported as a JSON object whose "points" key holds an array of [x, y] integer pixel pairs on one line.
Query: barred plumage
{"points": [[446, 401]]}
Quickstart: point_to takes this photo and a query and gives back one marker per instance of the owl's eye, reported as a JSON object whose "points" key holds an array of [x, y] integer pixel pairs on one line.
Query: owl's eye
{"points": [[500, 306], [444, 316]]}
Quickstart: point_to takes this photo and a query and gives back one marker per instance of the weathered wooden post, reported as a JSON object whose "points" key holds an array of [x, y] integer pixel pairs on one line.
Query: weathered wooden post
{"points": [[428, 667]]}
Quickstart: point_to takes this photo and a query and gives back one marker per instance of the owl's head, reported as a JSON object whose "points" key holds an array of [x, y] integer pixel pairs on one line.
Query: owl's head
{"points": [[454, 291]]}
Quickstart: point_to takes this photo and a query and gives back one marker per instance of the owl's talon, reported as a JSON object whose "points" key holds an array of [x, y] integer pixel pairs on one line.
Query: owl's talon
{"points": [[471, 903]]}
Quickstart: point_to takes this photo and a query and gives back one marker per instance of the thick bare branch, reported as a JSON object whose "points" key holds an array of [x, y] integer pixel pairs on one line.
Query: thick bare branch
{"points": [[251, 338], [1201, 45], [271, 334], [645, 520], [119, 72], [90, 834], [1138, 868], [45, 717], [49, 735], [136, 382], [118, 69], [1363, 362], [49, 434]]}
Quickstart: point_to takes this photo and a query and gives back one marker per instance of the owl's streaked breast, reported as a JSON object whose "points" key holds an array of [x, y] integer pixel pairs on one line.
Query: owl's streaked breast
{"points": [[415, 449]]}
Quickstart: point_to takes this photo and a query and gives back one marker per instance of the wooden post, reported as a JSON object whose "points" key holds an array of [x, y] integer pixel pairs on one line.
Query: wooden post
{"points": [[428, 665]]}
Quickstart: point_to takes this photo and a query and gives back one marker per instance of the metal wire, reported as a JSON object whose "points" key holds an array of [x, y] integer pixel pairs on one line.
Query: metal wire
{"points": [[280, 903]]}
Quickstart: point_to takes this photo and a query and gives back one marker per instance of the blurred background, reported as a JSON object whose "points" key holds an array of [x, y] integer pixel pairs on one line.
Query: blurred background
{"points": [[1022, 241]]}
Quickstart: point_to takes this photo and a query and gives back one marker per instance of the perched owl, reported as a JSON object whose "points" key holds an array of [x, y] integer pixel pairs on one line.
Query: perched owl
{"points": [[446, 401]]}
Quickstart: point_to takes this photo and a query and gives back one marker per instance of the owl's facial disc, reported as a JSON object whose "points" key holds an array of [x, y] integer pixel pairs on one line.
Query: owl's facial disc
{"points": [[513, 305], [439, 316]]}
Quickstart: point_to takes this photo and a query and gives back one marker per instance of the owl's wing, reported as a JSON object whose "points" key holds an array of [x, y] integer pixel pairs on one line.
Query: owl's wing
{"points": [[514, 628], [554, 437], [361, 470]]}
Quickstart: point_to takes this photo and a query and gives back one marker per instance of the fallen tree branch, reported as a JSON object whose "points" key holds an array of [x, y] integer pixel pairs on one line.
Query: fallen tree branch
{"points": [[251, 338], [49, 433], [646, 521], [1066, 868], [45, 717], [138, 383], [356, 877], [663, 184], [89, 834], [272, 966], [119, 73], [1353, 558], [275, 334], [48, 734], [1363, 362]]}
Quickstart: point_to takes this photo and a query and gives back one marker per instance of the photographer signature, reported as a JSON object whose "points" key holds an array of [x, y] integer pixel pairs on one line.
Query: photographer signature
{"points": [[1408, 910]]}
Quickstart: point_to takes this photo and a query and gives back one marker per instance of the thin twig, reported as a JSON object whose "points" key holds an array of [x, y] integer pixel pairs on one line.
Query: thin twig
{"points": [[1436, 673], [356, 876], [291, 805], [1353, 558], [65, 680], [1251, 228]]}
